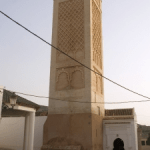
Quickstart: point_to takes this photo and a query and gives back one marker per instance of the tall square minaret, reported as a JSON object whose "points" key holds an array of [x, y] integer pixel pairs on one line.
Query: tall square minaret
{"points": [[77, 120]]}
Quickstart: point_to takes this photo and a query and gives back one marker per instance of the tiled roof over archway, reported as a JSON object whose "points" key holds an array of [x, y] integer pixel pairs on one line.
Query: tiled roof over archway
{"points": [[119, 112]]}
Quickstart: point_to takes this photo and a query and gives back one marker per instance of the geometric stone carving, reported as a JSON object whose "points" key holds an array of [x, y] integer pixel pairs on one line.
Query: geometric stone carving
{"points": [[63, 82], [77, 81], [69, 78], [97, 83], [96, 33], [97, 3], [70, 34]]}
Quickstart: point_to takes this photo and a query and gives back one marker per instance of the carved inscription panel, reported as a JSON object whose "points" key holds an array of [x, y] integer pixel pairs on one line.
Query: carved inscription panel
{"points": [[96, 33], [69, 78], [70, 36]]}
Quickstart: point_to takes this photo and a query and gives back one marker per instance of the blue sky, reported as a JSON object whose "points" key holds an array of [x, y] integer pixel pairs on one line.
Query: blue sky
{"points": [[25, 60]]}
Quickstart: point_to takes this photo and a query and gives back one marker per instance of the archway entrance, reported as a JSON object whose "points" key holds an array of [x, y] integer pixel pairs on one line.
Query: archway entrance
{"points": [[118, 144]]}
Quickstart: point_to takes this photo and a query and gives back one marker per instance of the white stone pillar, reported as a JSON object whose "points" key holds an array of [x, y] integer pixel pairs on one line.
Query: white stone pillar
{"points": [[31, 130], [26, 132]]}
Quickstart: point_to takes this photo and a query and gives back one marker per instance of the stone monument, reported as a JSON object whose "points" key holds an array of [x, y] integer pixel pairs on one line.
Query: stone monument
{"points": [[76, 121]]}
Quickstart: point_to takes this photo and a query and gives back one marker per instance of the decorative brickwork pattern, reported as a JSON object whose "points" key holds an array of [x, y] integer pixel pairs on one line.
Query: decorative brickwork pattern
{"points": [[98, 3], [96, 33], [70, 30], [69, 78]]}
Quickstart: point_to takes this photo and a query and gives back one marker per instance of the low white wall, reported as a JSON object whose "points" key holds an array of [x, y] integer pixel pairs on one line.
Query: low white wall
{"points": [[1, 97], [12, 132]]}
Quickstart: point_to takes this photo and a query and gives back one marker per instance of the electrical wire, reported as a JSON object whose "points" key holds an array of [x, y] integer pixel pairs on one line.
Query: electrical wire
{"points": [[78, 101], [73, 58]]}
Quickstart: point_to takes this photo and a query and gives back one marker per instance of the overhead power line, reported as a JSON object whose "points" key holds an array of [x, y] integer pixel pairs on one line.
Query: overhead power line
{"points": [[73, 58], [57, 99]]}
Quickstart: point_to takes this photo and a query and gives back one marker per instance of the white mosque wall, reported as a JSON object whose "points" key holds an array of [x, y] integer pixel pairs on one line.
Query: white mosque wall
{"points": [[125, 129], [12, 132]]}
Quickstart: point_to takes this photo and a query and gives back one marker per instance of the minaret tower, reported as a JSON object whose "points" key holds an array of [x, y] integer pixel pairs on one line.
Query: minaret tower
{"points": [[77, 30]]}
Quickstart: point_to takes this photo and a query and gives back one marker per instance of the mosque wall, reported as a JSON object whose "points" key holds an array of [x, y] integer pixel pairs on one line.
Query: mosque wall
{"points": [[12, 133], [125, 129]]}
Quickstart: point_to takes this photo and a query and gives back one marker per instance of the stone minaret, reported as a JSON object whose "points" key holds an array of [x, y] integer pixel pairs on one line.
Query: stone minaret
{"points": [[77, 30]]}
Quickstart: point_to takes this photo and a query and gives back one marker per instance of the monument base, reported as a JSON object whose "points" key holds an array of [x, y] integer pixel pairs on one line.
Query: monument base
{"points": [[73, 132], [49, 147]]}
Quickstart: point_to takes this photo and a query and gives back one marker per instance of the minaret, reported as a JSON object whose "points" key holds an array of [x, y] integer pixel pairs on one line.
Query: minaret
{"points": [[77, 30]]}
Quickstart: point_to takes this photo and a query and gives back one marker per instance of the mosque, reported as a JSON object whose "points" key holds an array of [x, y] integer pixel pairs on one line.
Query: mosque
{"points": [[80, 121]]}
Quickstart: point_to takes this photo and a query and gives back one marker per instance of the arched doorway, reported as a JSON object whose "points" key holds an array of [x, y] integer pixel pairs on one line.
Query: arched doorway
{"points": [[118, 144]]}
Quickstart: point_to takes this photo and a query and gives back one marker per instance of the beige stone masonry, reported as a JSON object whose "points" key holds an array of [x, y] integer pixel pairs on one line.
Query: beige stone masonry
{"points": [[77, 120]]}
